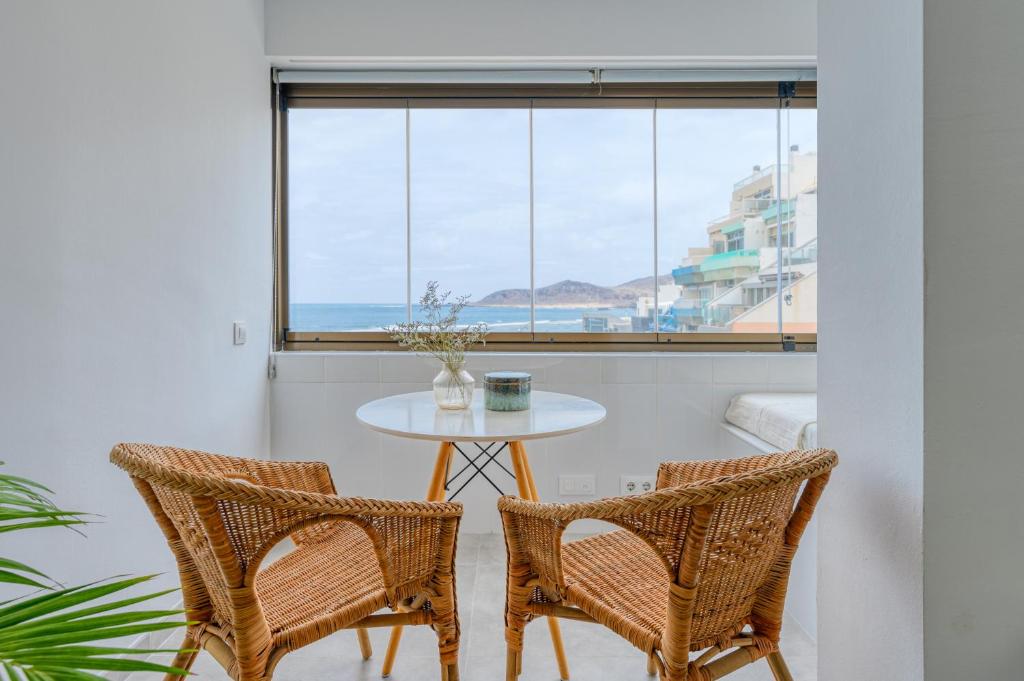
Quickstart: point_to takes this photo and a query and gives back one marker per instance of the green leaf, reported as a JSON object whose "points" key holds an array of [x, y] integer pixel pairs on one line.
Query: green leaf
{"points": [[76, 615], [116, 664], [63, 675], [66, 675], [40, 523], [50, 636], [18, 481], [21, 567], [45, 637], [99, 628], [15, 578], [94, 651], [106, 650], [17, 514], [63, 599], [112, 605], [16, 605], [7, 499]]}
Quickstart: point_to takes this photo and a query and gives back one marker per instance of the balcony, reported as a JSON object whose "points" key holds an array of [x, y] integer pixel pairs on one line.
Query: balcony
{"points": [[788, 206], [747, 258], [758, 174], [688, 275]]}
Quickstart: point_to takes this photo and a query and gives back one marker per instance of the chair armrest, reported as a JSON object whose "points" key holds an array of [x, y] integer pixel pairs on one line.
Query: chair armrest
{"points": [[677, 473], [737, 478], [534, 547]]}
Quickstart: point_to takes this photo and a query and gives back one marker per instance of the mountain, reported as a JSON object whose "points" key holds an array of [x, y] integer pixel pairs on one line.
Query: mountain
{"points": [[577, 293], [644, 286]]}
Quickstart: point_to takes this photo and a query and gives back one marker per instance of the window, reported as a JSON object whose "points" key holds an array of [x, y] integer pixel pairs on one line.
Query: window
{"points": [[346, 223], [470, 209], [587, 219], [593, 208], [787, 235]]}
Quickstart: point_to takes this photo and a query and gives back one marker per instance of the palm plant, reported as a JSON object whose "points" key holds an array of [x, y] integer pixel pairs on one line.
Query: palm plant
{"points": [[50, 633]]}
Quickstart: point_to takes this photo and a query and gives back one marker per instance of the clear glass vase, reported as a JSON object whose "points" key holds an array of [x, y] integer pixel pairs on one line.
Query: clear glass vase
{"points": [[453, 388]]}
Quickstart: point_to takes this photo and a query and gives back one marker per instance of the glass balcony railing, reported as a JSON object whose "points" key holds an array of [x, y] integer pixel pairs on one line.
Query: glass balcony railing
{"points": [[771, 211], [688, 274], [744, 258]]}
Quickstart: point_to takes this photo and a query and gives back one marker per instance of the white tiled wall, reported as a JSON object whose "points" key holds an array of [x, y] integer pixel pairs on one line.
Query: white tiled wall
{"points": [[660, 407]]}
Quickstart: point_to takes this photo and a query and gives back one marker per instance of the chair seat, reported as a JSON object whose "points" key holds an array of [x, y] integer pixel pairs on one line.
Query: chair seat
{"points": [[619, 581], [324, 584]]}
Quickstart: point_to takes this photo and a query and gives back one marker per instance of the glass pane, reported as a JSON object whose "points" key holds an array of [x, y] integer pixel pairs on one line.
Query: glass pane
{"points": [[470, 207], [594, 219], [800, 223], [346, 219], [716, 187]]}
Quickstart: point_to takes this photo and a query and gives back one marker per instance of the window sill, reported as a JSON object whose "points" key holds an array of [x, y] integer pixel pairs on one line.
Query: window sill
{"points": [[571, 343]]}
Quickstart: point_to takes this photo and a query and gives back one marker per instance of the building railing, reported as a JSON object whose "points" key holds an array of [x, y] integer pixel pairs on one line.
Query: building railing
{"points": [[787, 207], [758, 174], [747, 208], [743, 258]]}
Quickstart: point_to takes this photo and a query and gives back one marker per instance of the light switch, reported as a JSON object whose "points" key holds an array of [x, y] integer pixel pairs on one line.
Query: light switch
{"points": [[576, 485], [240, 333]]}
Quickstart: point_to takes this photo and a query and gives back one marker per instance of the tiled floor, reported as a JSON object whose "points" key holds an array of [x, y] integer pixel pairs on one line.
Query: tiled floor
{"points": [[594, 652]]}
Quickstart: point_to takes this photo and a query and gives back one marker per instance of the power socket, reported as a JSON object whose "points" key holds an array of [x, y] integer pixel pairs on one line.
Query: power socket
{"points": [[577, 485], [636, 484]]}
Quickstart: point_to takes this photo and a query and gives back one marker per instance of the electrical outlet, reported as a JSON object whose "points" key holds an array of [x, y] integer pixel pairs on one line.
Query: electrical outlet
{"points": [[636, 484], [240, 333], [577, 485]]}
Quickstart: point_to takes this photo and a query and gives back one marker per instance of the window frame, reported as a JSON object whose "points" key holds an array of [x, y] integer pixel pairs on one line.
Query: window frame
{"points": [[287, 96]]}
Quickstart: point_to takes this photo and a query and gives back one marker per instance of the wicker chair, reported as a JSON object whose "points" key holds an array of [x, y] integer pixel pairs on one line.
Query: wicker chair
{"points": [[353, 557], [701, 558]]}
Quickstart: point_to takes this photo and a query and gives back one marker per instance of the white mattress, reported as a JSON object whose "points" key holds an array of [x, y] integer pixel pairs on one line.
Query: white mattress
{"points": [[785, 420]]}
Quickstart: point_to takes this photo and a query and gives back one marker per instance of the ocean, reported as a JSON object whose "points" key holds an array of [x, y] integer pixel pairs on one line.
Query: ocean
{"points": [[372, 317]]}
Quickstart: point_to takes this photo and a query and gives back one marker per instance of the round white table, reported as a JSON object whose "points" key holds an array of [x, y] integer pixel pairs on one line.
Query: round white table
{"points": [[417, 416]]}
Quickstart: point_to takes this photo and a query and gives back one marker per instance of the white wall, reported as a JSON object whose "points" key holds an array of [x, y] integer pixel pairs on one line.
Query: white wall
{"points": [[463, 31], [870, 359], [974, 324], [135, 194]]}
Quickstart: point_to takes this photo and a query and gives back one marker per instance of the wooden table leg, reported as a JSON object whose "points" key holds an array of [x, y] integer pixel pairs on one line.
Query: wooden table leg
{"points": [[437, 479], [435, 492], [528, 491]]}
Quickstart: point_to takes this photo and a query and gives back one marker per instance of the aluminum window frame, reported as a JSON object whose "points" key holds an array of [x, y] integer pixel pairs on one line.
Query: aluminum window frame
{"points": [[761, 95]]}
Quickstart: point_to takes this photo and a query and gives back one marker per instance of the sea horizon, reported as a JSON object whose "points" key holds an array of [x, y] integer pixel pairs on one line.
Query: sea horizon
{"points": [[505, 318]]}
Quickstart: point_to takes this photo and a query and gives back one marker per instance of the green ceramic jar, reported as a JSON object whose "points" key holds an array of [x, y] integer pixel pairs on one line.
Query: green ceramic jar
{"points": [[507, 391]]}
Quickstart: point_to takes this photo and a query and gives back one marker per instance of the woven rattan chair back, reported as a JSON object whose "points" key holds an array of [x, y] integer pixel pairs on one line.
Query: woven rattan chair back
{"points": [[744, 537], [724, 533], [221, 516], [191, 521]]}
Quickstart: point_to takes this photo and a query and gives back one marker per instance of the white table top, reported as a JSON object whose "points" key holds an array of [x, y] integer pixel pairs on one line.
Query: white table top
{"points": [[417, 416]]}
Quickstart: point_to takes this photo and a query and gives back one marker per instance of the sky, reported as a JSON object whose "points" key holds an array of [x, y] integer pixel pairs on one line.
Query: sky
{"points": [[469, 194]]}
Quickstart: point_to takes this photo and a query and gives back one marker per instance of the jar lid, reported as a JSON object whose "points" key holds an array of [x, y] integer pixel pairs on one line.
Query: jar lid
{"points": [[507, 377]]}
